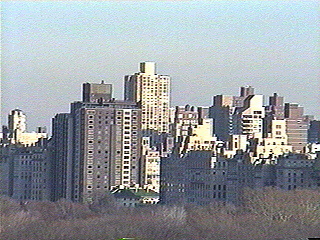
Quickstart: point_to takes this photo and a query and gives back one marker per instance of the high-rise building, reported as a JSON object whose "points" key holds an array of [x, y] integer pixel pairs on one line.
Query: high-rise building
{"points": [[222, 110], [192, 131], [185, 118], [221, 113], [152, 92], [17, 127], [248, 120], [297, 126], [276, 106], [62, 156], [101, 147], [273, 111], [106, 147]]}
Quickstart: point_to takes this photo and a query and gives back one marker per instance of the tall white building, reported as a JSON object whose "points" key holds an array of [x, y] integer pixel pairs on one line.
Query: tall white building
{"points": [[248, 120], [152, 92], [17, 124], [18, 130]]}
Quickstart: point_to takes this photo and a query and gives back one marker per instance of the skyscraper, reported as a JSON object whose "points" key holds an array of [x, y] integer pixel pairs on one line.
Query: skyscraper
{"points": [[152, 92]]}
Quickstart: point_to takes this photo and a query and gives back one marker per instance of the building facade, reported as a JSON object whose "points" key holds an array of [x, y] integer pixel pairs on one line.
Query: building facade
{"points": [[297, 126], [29, 172], [17, 130], [248, 120], [314, 132], [152, 92]]}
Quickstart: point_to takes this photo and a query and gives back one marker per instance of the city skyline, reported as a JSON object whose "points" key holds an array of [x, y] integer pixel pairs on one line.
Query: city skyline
{"points": [[269, 45]]}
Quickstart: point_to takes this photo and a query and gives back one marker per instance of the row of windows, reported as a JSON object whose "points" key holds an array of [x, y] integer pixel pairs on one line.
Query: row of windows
{"points": [[98, 186], [118, 112], [31, 156], [251, 116], [295, 174], [97, 166], [295, 180]]}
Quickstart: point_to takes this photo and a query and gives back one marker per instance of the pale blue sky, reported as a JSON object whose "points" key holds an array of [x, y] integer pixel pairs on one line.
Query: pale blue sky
{"points": [[208, 47]]}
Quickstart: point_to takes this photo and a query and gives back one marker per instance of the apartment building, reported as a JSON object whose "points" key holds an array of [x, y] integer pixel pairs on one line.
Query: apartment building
{"points": [[152, 92]]}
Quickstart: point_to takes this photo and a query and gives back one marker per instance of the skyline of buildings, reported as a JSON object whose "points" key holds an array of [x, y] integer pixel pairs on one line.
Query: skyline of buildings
{"points": [[103, 144]]}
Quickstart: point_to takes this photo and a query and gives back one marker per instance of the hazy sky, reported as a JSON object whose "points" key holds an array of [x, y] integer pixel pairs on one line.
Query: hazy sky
{"points": [[208, 47]]}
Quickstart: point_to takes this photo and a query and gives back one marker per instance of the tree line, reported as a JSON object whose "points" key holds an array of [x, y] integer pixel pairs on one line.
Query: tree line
{"points": [[264, 214]]}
